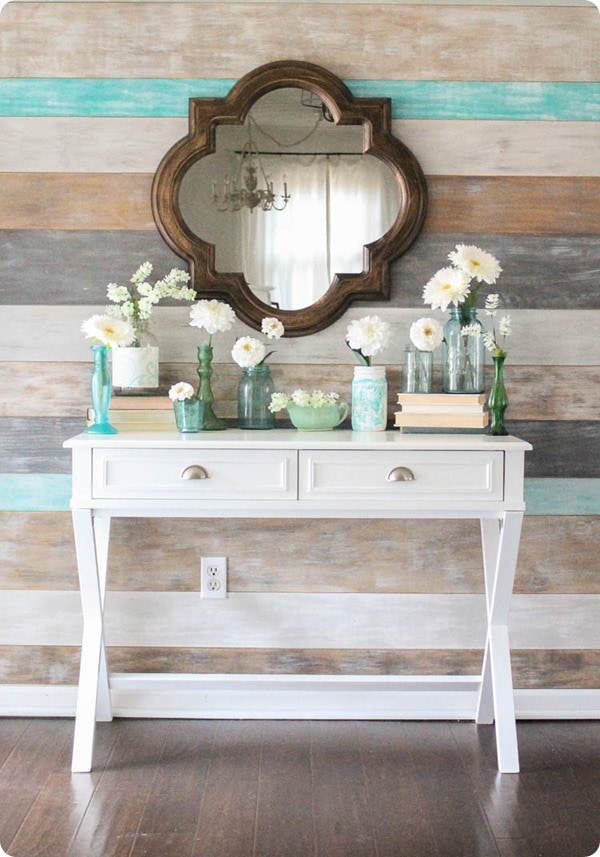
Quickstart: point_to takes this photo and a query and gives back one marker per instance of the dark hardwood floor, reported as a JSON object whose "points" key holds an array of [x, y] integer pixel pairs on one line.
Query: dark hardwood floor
{"points": [[182, 788]]}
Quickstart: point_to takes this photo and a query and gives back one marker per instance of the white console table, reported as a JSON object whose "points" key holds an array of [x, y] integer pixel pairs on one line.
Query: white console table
{"points": [[290, 474]]}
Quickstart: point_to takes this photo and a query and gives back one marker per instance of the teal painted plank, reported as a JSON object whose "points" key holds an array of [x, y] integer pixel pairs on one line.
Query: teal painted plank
{"points": [[35, 492], [51, 492], [429, 99], [562, 496]]}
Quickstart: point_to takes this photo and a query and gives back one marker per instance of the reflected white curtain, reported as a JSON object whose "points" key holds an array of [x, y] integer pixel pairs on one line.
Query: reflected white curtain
{"points": [[337, 204]]}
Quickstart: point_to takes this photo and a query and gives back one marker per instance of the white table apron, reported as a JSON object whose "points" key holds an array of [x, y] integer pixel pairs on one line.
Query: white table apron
{"points": [[284, 473]]}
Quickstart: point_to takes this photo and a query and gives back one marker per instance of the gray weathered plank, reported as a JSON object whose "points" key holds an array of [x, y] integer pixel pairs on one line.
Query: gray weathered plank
{"points": [[57, 267]]}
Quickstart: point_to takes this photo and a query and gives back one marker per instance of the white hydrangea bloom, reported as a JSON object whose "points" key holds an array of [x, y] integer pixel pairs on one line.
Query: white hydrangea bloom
{"points": [[279, 402], [248, 352], [426, 334]]}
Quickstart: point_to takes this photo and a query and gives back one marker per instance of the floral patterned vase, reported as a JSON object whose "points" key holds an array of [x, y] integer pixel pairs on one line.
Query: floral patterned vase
{"points": [[369, 399], [136, 367]]}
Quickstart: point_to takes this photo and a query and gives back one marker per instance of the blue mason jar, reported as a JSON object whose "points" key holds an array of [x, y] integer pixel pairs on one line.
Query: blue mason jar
{"points": [[463, 356], [369, 399], [254, 397]]}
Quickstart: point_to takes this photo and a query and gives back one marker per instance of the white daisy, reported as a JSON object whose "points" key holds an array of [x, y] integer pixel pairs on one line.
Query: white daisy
{"points": [[426, 334], [447, 286], [108, 330], [248, 352], [476, 263]]}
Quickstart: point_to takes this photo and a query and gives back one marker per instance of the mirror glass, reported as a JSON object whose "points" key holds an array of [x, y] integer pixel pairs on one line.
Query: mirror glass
{"points": [[325, 190]]}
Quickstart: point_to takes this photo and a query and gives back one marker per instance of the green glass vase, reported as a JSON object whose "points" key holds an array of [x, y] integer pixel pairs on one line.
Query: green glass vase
{"points": [[497, 399], [207, 419]]}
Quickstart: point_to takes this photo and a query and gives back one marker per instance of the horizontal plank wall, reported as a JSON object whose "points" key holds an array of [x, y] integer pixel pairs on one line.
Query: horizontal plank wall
{"points": [[501, 105]]}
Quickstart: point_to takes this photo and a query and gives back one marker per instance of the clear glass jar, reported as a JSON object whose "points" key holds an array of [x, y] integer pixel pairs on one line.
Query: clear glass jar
{"points": [[463, 356], [417, 370], [254, 397]]}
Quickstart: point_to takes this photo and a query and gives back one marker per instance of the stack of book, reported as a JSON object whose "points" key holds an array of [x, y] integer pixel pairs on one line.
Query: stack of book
{"points": [[139, 413], [441, 412]]}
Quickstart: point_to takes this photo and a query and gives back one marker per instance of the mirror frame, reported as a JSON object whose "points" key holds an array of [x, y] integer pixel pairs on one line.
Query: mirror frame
{"points": [[375, 116]]}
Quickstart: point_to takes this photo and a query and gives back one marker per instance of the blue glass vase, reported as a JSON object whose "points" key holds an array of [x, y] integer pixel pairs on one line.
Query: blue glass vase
{"points": [[254, 397], [101, 392], [463, 356]]}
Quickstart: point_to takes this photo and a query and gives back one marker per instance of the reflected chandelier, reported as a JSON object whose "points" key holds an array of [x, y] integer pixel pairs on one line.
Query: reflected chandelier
{"points": [[243, 191]]}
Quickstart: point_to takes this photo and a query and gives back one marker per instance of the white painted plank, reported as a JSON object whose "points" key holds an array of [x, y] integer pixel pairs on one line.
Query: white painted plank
{"points": [[307, 620], [443, 147], [541, 337], [365, 2]]}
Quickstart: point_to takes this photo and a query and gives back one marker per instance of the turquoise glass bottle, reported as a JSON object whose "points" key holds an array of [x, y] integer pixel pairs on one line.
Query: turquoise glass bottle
{"points": [[101, 392]]}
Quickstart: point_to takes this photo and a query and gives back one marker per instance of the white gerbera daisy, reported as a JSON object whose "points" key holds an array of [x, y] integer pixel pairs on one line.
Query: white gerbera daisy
{"points": [[426, 334], [476, 263], [181, 391], [248, 352], [369, 335], [214, 316], [447, 286], [272, 328], [108, 330]]}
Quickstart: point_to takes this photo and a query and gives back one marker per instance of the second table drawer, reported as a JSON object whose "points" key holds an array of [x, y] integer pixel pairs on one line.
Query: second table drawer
{"points": [[340, 475]]}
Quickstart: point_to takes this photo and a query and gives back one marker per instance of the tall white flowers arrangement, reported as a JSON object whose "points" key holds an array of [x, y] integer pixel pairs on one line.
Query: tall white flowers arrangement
{"points": [[493, 339], [459, 283], [136, 301], [249, 351], [367, 337], [109, 331]]}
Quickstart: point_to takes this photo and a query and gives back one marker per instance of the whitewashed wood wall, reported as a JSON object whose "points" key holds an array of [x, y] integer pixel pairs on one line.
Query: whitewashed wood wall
{"points": [[501, 104]]}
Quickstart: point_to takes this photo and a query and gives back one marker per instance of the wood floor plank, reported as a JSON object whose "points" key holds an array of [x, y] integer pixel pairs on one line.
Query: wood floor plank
{"points": [[39, 752], [285, 817], [178, 786], [343, 823], [11, 731], [227, 818], [15, 804], [399, 811]]}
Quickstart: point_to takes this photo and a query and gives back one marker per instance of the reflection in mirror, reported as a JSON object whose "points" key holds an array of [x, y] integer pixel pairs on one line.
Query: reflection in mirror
{"points": [[330, 193]]}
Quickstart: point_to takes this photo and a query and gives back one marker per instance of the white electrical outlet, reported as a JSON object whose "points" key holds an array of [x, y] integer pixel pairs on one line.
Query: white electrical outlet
{"points": [[213, 577]]}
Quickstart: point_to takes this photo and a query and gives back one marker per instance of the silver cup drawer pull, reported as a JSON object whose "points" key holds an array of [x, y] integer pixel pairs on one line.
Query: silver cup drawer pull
{"points": [[400, 474], [195, 471]]}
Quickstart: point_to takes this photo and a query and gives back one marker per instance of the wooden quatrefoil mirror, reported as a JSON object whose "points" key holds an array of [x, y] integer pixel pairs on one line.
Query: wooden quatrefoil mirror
{"points": [[290, 197]]}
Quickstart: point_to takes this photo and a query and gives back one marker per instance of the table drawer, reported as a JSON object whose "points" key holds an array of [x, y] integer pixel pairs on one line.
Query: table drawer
{"points": [[425, 476], [215, 474]]}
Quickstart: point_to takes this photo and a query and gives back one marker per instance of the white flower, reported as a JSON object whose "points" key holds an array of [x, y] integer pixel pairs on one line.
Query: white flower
{"points": [[369, 335], [489, 341], [117, 293], [471, 330], [108, 330], [272, 328], [214, 316], [142, 273], [505, 327], [426, 334], [447, 286], [301, 398], [181, 391], [492, 303], [248, 352], [476, 263], [279, 402]]}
